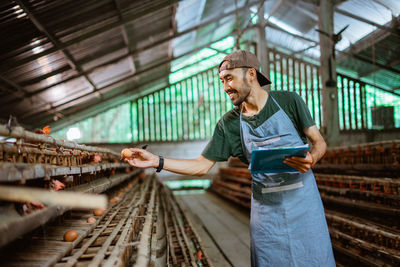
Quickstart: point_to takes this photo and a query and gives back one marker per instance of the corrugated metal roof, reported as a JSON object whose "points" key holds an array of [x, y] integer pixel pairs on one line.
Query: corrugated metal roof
{"points": [[60, 57]]}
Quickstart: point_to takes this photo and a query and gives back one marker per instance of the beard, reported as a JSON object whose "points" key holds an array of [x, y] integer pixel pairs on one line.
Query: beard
{"points": [[238, 101], [244, 93]]}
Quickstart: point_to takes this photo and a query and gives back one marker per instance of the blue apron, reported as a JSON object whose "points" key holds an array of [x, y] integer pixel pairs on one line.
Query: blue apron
{"points": [[287, 222]]}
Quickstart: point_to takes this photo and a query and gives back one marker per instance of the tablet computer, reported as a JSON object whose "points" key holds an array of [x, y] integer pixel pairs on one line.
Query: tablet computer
{"points": [[270, 160]]}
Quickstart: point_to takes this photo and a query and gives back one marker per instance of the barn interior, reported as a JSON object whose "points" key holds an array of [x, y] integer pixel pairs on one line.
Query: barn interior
{"points": [[82, 80]]}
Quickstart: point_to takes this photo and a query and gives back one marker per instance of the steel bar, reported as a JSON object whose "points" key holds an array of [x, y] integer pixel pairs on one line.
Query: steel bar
{"points": [[192, 234], [369, 230], [178, 236], [364, 179], [142, 258], [103, 184], [240, 191], [382, 27], [319, 96], [182, 234], [56, 43], [21, 133], [62, 198], [22, 225], [355, 109], [384, 200], [77, 254], [99, 257], [313, 90], [370, 247], [226, 194], [232, 192], [360, 205], [362, 110], [95, 32], [137, 51], [17, 225], [121, 81], [171, 250], [114, 238], [10, 172], [74, 259]]}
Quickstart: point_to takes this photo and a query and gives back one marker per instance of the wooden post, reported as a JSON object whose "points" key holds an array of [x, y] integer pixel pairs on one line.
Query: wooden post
{"points": [[262, 42], [330, 122]]}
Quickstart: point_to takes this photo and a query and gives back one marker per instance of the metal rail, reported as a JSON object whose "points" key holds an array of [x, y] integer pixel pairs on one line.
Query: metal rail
{"points": [[21, 133], [14, 225], [12, 172], [388, 186], [129, 233]]}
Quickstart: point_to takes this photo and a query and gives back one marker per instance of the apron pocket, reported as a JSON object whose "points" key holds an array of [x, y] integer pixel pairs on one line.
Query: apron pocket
{"points": [[268, 141]]}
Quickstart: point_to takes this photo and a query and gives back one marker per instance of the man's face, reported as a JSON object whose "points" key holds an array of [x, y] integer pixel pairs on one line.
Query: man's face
{"points": [[235, 83]]}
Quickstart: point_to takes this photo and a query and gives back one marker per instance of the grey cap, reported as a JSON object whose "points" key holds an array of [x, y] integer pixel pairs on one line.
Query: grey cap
{"points": [[245, 59]]}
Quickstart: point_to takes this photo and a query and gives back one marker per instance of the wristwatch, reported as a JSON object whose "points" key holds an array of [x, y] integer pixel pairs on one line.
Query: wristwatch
{"points": [[160, 164]]}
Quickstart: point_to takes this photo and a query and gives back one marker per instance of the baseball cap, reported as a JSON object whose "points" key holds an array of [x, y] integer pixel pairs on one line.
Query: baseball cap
{"points": [[244, 59]]}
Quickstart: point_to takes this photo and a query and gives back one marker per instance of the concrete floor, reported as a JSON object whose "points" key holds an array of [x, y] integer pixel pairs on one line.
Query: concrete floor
{"points": [[223, 227]]}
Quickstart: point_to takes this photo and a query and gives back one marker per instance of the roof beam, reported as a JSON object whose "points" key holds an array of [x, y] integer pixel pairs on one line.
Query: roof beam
{"points": [[268, 24], [121, 81], [389, 7], [141, 49], [127, 79], [21, 90], [394, 62], [125, 33], [390, 64], [245, 26], [348, 53], [303, 10], [276, 27], [142, 13], [106, 104], [364, 43], [96, 108], [301, 51], [56, 43], [385, 67], [382, 27]]}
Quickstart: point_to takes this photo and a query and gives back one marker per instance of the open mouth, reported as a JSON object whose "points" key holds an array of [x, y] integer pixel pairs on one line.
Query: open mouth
{"points": [[232, 94]]}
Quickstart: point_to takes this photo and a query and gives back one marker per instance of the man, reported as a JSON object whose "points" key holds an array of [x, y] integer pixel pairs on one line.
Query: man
{"points": [[287, 224]]}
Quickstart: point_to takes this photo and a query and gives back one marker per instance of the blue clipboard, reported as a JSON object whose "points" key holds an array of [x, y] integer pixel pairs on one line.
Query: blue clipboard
{"points": [[270, 160]]}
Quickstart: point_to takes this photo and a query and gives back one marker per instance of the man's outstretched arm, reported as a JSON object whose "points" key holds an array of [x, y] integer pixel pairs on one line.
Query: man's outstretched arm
{"points": [[145, 159]]}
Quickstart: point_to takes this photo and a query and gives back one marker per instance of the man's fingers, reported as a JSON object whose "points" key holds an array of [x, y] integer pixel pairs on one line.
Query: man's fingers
{"points": [[299, 160], [129, 161], [293, 165], [135, 149], [300, 166]]}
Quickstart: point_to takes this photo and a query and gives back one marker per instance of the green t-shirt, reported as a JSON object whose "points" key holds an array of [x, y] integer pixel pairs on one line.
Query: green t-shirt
{"points": [[226, 138]]}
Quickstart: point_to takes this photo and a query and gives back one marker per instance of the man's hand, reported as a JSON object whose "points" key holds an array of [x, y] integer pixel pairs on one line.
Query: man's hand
{"points": [[312, 157], [142, 159], [299, 163]]}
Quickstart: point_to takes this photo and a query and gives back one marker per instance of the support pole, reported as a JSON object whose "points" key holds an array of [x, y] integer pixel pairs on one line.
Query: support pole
{"points": [[262, 42], [330, 123]]}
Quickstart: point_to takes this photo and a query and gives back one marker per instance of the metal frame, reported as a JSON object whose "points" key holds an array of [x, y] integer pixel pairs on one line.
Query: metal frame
{"points": [[71, 61], [135, 52], [127, 19]]}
